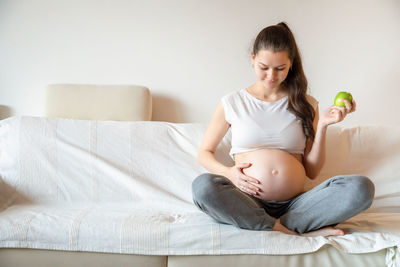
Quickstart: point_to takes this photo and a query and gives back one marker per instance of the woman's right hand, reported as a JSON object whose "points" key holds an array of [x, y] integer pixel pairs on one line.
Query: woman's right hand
{"points": [[245, 183]]}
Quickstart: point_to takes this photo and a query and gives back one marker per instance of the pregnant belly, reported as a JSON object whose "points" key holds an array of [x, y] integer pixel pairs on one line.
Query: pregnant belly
{"points": [[281, 174]]}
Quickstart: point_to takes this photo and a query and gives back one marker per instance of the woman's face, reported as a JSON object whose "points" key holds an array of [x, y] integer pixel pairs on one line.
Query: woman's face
{"points": [[271, 67]]}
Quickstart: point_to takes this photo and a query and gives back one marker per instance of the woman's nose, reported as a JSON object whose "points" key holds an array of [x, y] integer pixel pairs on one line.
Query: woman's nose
{"points": [[271, 74]]}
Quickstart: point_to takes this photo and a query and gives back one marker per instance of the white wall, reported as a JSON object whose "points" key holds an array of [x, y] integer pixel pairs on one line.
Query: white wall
{"points": [[190, 53]]}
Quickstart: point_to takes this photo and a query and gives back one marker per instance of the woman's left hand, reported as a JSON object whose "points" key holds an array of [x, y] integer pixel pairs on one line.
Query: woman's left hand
{"points": [[335, 114]]}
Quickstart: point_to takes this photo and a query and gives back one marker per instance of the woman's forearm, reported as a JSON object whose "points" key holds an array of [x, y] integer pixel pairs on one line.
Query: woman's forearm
{"points": [[315, 159], [207, 160]]}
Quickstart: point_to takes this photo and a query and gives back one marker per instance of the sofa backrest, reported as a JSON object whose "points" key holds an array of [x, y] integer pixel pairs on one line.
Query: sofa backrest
{"points": [[66, 160]]}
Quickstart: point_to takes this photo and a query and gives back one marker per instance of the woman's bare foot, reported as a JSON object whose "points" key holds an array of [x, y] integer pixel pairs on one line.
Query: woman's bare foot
{"points": [[326, 231], [279, 227]]}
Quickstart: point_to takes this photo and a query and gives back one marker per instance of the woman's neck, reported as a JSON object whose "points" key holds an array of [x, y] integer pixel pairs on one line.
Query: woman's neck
{"points": [[267, 94]]}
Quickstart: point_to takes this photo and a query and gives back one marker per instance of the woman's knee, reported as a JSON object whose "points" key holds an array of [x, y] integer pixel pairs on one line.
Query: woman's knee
{"points": [[206, 185], [363, 190]]}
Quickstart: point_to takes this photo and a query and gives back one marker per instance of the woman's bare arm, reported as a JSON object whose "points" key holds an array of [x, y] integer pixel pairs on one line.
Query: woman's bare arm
{"points": [[216, 130]]}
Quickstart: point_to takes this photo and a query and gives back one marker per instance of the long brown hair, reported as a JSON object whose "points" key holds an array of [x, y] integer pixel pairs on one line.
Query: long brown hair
{"points": [[278, 38]]}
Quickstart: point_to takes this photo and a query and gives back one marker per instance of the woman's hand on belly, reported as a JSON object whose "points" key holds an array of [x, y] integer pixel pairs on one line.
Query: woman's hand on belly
{"points": [[242, 181], [281, 174]]}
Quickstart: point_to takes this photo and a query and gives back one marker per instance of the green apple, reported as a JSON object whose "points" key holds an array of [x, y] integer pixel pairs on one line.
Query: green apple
{"points": [[343, 95]]}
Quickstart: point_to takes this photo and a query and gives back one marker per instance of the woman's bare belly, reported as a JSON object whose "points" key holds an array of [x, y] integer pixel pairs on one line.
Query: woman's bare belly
{"points": [[282, 175]]}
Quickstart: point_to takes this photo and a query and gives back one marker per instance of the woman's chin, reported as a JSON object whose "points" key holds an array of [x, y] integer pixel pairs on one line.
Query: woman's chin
{"points": [[270, 85]]}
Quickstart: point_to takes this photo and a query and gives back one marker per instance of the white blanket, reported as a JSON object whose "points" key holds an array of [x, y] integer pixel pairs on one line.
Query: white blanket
{"points": [[125, 187]]}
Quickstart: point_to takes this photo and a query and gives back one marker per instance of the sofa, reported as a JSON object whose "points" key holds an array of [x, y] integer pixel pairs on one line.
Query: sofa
{"points": [[116, 191]]}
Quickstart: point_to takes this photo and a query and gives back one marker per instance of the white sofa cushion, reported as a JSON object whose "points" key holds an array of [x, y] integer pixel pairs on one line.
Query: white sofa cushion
{"points": [[125, 187]]}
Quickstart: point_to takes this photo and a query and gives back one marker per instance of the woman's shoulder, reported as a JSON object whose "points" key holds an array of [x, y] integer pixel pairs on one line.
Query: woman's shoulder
{"points": [[232, 96], [314, 102]]}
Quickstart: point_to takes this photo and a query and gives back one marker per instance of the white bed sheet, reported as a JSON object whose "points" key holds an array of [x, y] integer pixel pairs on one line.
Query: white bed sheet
{"points": [[125, 187]]}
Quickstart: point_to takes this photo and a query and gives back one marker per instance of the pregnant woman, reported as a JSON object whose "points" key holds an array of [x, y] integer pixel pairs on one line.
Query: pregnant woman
{"points": [[278, 140]]}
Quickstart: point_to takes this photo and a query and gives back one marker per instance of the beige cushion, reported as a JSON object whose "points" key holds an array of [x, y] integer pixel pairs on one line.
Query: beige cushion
{"points": [[98, 102], [49, 258], [327, 256]]}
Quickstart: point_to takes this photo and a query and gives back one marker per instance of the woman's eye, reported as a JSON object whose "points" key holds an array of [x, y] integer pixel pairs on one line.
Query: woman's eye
{"points": [[276, 69]]}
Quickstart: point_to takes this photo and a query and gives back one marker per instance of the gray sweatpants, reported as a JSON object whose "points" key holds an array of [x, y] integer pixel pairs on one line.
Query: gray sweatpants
{"points": [[331, 202]]}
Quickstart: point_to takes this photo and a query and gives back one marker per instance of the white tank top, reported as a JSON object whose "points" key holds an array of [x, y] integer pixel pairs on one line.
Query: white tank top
{"points": [[257, 124]]}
